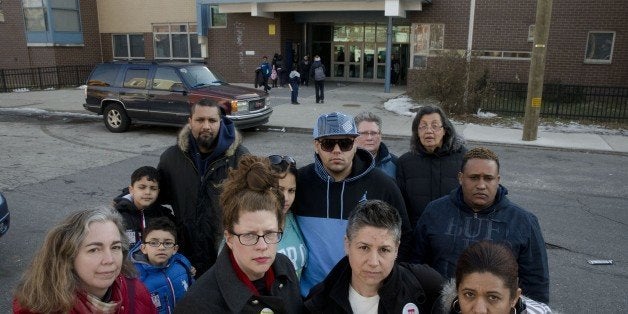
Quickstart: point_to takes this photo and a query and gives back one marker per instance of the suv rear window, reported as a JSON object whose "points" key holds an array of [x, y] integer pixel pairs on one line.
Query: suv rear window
{"points": [[104, 75]]}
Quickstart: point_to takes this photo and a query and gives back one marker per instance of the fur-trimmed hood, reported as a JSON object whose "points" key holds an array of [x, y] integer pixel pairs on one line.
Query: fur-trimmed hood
{"points": [[184, 135]]}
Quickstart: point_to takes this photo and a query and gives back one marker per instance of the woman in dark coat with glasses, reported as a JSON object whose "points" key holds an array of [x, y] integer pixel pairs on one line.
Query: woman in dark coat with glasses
{"points": [[248, 276]]}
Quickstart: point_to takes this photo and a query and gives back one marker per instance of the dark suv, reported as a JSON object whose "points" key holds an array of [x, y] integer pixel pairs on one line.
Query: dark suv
{"points": [[161, 93]]}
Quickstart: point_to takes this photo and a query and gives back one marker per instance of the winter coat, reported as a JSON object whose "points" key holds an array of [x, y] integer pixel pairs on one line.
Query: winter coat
{"points": [[524, 305], [387, 162], [166, 284], [323, 205], [316, 64], [129, 293], [423, 177], [448, 226], [135, 220], [221, 291], [304, 67], [265, 69], [407, 285], [192, 186]]}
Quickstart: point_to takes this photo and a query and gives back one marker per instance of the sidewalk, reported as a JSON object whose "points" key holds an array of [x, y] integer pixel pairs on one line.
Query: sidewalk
{"points": [[350, 98]]}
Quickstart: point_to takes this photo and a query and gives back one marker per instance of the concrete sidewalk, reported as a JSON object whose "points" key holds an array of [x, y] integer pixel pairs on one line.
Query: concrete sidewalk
{"points": [[350, 98]]}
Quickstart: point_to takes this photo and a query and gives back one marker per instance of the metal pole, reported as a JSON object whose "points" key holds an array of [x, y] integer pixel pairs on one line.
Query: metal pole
{"points": [[388, 54], [537, 70]]}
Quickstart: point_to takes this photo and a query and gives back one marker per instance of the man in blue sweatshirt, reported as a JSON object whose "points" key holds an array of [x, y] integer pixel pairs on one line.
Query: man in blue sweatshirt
{"points": [[479, 210], [329, 189]]}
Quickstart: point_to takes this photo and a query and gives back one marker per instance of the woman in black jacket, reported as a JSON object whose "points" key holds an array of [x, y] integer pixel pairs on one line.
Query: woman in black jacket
{"points": [[430, 169], [368, 280], [248, 276]]}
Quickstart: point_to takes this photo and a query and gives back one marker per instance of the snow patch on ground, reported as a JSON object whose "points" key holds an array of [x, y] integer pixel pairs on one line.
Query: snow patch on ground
{"points": [[21, 90], [406, 106], [30, 112], [82, 87]]}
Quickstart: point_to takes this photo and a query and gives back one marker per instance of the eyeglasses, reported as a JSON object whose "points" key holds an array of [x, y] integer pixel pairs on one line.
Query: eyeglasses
{"points": [[328, 145], [368, 133], [167, 244], [278, 160], [250, 239], [433, 127]]}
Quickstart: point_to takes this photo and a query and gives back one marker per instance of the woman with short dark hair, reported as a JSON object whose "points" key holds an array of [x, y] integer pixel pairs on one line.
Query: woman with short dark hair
{"points": [[368, 280]]}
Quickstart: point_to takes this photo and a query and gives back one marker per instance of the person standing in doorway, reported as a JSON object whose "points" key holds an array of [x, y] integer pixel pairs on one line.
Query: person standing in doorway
{"points": [[304, 70], [318, 72]]}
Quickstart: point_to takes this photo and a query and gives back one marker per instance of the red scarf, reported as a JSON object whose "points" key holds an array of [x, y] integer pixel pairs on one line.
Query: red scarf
{"points": [[269, 276]]}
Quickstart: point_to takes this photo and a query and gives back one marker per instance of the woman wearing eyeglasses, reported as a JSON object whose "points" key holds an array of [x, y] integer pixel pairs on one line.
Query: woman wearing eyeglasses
{"points": [[248, 276], [292, 244], [430, 169]]}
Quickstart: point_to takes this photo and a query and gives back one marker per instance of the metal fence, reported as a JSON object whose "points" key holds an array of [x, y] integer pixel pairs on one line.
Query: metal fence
{"points": [[44, 77], [562, 101]]}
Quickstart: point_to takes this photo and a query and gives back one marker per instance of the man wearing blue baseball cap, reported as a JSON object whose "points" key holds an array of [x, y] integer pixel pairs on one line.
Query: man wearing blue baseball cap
{"points": [[341, 176]]}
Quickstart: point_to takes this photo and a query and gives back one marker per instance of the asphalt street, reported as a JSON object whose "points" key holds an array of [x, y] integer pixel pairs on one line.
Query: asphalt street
{"points": [[53, 165]]}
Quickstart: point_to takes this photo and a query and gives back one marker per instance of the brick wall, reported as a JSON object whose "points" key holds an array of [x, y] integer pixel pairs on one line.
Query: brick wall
{"points": [[12, 36], [228, 46], [503, 25]]}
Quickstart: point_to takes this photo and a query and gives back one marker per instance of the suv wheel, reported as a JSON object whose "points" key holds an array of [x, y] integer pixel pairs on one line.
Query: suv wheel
{"points": [[116, 119]]}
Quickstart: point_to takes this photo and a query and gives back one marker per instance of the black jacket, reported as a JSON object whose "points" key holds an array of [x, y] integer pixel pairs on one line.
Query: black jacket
{"points": [[220, 290], [423, 177], [134, 219], [407, 283], [195, 196]]}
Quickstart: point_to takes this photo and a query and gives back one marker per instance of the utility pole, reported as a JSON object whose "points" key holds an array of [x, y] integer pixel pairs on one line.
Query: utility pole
{"points": [[537, 70]]}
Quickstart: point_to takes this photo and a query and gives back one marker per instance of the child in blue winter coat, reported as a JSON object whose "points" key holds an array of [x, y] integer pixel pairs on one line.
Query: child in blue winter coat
{"points": [[166, 274]]}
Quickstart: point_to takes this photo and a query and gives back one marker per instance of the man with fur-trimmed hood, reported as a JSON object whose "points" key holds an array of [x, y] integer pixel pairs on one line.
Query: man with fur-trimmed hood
{"points": [[192, 171]]}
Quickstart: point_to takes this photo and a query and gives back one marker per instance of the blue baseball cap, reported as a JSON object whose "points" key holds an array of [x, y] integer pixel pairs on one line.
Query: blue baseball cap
{"points": [[335, 124]]}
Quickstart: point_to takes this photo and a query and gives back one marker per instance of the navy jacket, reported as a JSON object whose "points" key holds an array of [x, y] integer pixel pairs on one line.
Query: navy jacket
{"points": [[448, 226], [386, 161], [323, 205], [166, 284]]}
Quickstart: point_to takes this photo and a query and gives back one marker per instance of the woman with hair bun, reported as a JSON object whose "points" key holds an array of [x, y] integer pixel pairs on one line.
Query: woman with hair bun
{"points": [[248, 276]]}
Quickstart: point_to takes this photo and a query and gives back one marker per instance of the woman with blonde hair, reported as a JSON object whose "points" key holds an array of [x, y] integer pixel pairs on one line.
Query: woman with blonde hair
{"points": [[248, 276], [82, 268]]}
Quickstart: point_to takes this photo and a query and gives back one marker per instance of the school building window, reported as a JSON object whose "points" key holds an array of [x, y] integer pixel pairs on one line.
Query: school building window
{"points": [[600, 47], [218, 20], [128, 46], [52, 22], [426, 39], [176, 42]]}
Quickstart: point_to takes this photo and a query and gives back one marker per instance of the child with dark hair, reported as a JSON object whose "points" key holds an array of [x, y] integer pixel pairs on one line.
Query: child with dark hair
{"points": [[139, 204], [166, 273]]}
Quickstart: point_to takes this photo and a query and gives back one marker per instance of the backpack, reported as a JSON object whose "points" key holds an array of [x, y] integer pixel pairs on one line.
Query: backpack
{"points": [[319, 73]]}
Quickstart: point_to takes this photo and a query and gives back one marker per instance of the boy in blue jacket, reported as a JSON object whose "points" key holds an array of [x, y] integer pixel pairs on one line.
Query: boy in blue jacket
{"points": [[166, 273]]}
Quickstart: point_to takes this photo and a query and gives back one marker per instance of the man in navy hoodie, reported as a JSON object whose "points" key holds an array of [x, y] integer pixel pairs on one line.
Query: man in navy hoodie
{"points": [[191, 173], [479, 210], [341, 176]]}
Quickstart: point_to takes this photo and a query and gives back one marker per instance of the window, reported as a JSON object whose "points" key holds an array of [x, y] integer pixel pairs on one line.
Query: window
{"points": [[217, 19], [136, 78], [65, 15], [35, 16], [600, 47], [128, 46], [176, 42], [104, 75], [52, 22], [165, 78], [531, 33]]}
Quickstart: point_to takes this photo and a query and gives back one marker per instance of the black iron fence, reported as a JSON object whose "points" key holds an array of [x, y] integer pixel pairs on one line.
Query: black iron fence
{"points": [[44, 77], [562, 101]]}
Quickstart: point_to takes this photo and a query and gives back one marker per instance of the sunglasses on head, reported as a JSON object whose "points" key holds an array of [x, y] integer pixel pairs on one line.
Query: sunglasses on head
{"points": [[328, 145], [278, 160]]}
